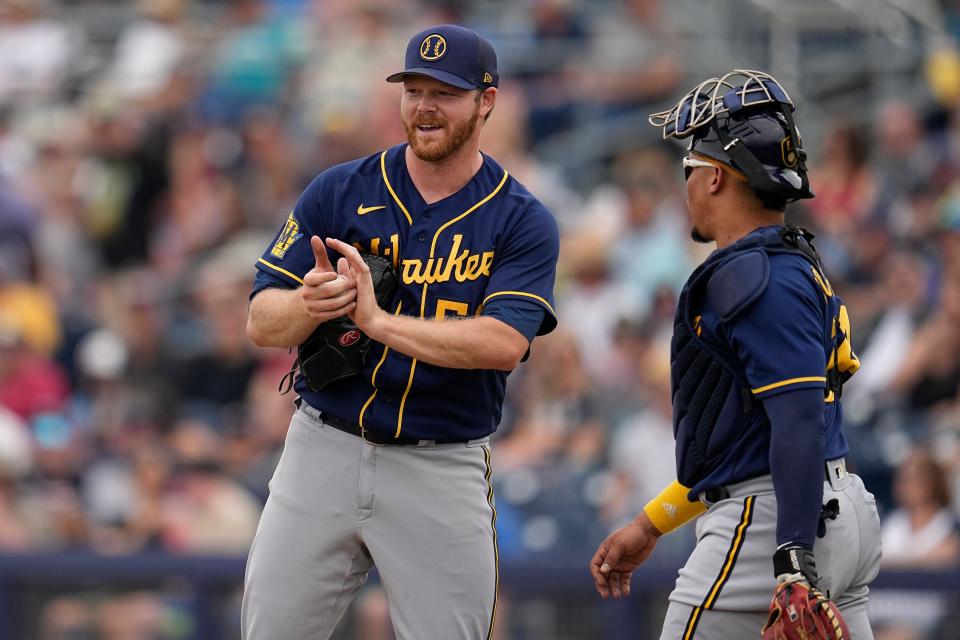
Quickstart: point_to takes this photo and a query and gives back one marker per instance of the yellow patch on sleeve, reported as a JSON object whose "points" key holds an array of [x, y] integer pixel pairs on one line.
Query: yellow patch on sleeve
{"points": [[289, 235]]}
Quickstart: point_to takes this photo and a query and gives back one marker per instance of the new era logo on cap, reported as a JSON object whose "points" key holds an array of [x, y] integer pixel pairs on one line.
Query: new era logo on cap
{"points": [[451, 54]]}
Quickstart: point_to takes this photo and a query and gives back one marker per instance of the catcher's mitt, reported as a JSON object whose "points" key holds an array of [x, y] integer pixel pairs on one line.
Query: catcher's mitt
{"points": [[800, 612], [337, 348]]}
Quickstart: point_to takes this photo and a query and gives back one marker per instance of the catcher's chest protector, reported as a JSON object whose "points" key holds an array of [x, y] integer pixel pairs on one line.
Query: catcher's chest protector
{"points": [[712, 401]]}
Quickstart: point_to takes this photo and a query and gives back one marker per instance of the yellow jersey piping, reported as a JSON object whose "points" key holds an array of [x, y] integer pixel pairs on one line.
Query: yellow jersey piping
{"points": [[373, 378], [403, 400], [783, 383], [496, 543], [393, 194], [521, 293], [283, 271], [413, 367], [433, 245]]}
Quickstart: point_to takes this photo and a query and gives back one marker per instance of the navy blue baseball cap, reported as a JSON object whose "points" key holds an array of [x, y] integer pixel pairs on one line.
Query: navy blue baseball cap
{"points": [[451, 54]]}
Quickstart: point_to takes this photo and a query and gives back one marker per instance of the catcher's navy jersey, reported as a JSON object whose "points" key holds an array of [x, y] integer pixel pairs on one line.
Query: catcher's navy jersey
{"points": [[489, 249], [789, 338]]}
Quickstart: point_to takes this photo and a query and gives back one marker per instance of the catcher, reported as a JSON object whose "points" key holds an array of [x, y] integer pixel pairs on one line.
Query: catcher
{"points": [[760, 352]]}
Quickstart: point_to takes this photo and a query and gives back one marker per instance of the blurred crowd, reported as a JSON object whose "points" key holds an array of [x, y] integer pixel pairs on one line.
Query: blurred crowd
{"points": [[150, 150]]}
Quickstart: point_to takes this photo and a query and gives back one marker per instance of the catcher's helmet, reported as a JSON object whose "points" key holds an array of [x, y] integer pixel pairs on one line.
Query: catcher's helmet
{"points": [[744, 120]]}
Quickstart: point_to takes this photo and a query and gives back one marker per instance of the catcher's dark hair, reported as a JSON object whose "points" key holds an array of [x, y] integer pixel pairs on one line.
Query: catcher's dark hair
{"points": [[769, 201]]}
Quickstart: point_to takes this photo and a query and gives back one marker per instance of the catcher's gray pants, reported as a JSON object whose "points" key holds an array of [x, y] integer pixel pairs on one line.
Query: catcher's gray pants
{"points": [[725, 589], [338, 505]]}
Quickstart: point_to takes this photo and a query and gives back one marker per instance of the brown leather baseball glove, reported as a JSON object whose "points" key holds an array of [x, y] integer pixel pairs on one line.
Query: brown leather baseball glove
{"points": [[800, 612]]}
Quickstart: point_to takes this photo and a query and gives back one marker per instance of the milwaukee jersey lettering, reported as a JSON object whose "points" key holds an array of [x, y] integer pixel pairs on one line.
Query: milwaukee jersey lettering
{"points": [[489, 249]]}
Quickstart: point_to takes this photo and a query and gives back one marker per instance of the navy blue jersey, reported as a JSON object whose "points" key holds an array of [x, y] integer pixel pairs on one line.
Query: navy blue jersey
{"points": [[489, 249], [789, 338]]}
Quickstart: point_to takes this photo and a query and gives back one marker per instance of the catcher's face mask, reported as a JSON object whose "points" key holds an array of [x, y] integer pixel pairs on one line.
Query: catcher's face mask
{"points": [[743, 120], [738, 90]]}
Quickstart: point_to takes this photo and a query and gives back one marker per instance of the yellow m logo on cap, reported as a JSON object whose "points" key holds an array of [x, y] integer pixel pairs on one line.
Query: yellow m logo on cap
{"points": [[433, 47]]}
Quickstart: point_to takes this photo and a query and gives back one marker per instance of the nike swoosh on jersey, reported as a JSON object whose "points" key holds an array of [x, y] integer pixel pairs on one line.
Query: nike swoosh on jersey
{"points": [[362, 210]]}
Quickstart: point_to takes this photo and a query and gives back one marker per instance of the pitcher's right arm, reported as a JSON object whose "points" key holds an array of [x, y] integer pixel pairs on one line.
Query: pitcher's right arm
{"points": [[280, 317]]}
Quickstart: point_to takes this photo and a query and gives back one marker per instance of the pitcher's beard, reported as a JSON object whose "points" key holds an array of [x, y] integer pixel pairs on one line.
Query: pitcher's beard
{"points": [[445, 148]]}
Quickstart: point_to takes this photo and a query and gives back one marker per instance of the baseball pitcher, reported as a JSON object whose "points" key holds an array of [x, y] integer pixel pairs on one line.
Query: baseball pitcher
{"points": [[445, 268]]}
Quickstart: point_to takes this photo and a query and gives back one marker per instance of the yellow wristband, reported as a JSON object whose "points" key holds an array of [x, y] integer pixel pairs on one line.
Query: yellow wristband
{"points": [[672, 508]]}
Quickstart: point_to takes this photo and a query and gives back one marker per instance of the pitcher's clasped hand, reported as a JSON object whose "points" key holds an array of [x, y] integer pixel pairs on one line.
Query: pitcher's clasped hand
{"points": [[364, 311], [326, 293]]}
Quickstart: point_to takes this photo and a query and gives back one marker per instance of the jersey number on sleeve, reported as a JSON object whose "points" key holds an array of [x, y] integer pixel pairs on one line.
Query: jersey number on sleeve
{"points": [[842, 358]]}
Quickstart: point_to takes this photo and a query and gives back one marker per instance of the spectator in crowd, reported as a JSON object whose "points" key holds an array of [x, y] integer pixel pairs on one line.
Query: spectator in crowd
{"points": [[267, 174], [127, 180], [17, 223], [36, 51], [15, 462], [632, 60], [216, 377], [647, 229], [207, 512], [903, 160], [31, 383], [929, 375], [903, 291], [562, 415], [349, 43], [149, 49], [842, 180], [250, 64], [200, 209], [921, 533], [557, 30], [135, 615], [646, 435]]}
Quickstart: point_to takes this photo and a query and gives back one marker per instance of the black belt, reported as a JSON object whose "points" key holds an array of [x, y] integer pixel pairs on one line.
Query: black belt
{"points": [[355, 429], [832, 470], [715, 495]]}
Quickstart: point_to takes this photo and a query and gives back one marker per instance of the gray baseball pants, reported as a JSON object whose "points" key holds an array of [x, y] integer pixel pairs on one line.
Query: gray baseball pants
{"points": [[724, 590], [423, 515]]}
